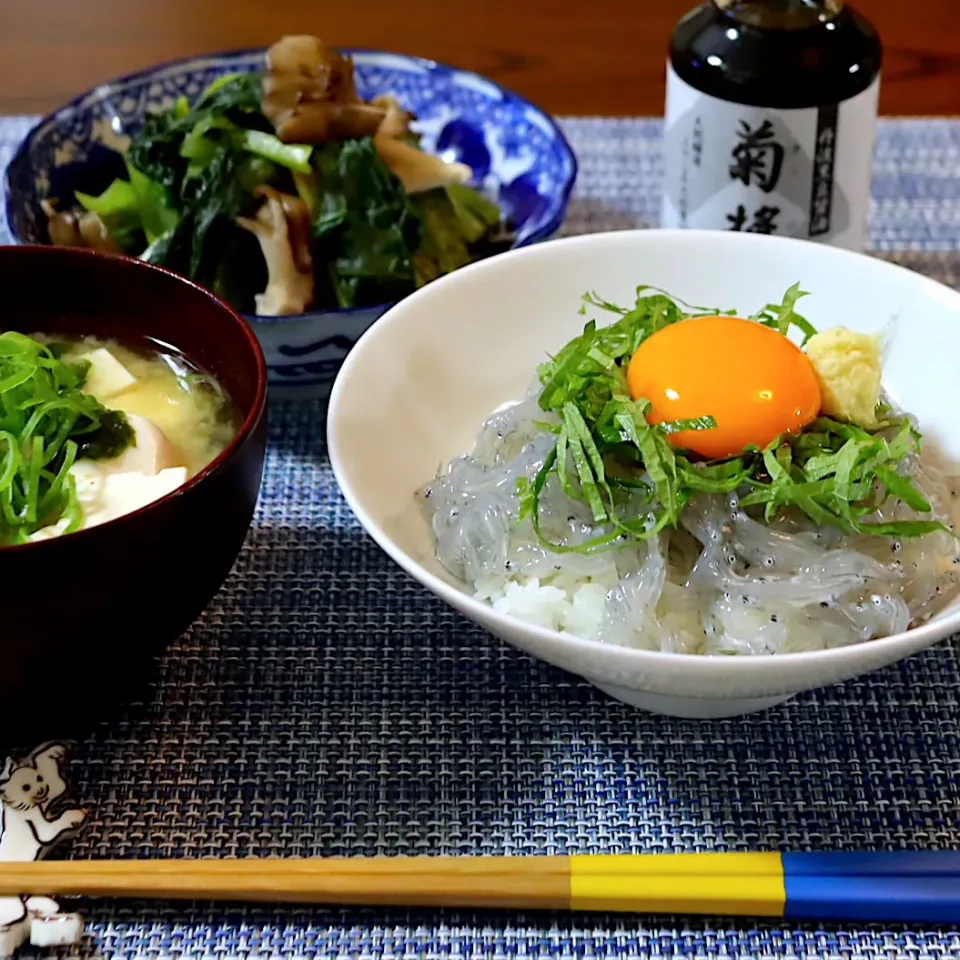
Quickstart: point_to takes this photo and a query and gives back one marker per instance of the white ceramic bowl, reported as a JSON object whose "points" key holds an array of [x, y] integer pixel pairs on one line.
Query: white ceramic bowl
{"points": [[413, 392]]}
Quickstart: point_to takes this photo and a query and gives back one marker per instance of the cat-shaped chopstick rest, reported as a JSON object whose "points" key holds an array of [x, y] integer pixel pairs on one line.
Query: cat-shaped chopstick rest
{"points": [[35, 816]]}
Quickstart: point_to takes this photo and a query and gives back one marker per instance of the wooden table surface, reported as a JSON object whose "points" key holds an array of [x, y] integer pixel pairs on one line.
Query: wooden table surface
{"points": [[570, 56]]}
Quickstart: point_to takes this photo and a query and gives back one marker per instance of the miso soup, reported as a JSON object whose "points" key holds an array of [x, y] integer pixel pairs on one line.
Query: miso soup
{"points": [[92, 429], [187, 405]]}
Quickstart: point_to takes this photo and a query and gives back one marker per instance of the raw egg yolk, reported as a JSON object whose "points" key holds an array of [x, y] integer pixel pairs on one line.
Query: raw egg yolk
{"points": [[753, 381]]}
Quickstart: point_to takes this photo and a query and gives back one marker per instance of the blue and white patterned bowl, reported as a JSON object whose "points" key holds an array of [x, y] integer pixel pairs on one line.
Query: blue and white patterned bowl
{"points": [[517, 154]]}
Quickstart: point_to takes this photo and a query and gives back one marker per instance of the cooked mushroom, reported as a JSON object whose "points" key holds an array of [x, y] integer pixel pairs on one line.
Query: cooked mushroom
{"points": [[61, 225], [309, 94], [396, 120], [282, 227], [298, 225], [417, 170], [77, 228], [95, 234]]}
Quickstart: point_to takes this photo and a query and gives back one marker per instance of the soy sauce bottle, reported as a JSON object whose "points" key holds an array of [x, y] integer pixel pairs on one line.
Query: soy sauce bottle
{"points": [[770, 119]]}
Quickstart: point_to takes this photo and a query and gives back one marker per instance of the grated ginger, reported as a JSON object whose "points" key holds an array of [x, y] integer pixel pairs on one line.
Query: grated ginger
{"points": [[849, 367]]}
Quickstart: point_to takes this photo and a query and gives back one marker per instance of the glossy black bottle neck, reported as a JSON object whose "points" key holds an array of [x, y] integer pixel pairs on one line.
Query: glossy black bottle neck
{"points": [[781, 14], [785, 54]]}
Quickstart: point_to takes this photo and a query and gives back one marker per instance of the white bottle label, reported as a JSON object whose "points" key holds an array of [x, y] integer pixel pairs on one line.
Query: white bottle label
{"points": [[796, 173]]}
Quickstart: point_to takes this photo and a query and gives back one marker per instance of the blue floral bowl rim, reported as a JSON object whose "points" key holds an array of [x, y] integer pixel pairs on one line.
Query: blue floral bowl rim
{"points": [[544, 232]]}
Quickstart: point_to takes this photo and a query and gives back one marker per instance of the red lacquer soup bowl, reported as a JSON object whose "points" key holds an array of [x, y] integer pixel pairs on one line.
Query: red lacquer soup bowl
{"points": [[83, 615]]}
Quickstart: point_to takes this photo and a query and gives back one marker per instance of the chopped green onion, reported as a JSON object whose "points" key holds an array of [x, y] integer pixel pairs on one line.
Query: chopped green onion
{"points": [[46, 423]]}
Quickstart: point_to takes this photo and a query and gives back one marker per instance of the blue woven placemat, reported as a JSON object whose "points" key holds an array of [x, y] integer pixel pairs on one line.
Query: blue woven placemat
{"points": [[326, 705]]}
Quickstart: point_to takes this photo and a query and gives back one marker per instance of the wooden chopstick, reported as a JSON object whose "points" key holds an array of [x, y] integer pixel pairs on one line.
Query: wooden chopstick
{"points": [[885, 886], [524, 882]]}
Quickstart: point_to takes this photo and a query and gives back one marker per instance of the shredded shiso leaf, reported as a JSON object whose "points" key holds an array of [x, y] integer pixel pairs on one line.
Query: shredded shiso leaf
{"points": [[836, 473], [47, 423]]}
